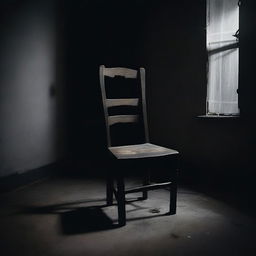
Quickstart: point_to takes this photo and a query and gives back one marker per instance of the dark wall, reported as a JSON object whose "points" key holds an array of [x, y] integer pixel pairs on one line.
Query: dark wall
{"points": [[98, 32], [214, 150], [168, 39]]}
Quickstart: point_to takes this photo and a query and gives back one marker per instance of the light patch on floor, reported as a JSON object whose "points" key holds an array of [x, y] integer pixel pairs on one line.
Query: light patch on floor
{"points": [[50, 218]]}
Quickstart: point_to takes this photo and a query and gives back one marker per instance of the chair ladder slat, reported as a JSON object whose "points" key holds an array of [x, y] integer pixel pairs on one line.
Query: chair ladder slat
{"points": [[122, 119], [126, 72], [122, 102]]}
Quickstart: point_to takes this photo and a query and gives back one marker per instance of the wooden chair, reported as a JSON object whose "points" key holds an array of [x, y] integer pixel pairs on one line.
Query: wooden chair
{"points": [[145, 151]]}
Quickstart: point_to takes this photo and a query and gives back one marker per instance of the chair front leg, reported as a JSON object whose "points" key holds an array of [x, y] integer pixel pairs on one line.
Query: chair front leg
{"points": [[121, 201]]}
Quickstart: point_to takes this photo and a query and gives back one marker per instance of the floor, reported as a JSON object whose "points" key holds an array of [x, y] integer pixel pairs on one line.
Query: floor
{"points": [[68, 216]]}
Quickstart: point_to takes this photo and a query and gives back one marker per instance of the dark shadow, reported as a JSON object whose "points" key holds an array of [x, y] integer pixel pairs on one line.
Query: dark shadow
{"points": [[76, 218], [83, 220], [149, 217], [68, 206], [59, 208]]}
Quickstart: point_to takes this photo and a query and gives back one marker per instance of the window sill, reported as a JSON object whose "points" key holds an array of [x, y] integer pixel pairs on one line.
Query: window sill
{"points": [[218, 117]]}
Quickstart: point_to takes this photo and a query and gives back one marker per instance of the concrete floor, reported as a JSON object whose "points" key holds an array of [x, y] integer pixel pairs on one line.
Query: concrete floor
{"points": [[60, 217]]}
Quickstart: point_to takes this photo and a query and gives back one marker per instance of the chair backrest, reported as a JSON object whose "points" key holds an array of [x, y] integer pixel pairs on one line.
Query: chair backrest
{"points": [[111, 101]]}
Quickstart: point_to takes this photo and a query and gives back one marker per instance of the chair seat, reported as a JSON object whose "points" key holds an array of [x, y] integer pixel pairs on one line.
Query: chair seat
{"points": [[144, 150]]}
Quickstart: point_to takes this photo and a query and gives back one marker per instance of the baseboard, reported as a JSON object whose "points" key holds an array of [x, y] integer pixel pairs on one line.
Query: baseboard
{"points": [[16, 180]]}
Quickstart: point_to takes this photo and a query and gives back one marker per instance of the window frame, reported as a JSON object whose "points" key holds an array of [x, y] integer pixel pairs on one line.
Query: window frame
{"points": [[208, 114]]}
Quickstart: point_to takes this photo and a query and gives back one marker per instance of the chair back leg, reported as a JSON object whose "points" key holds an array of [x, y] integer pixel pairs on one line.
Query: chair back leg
{"points": [[110, 190], [173, 194], [146, 181]]}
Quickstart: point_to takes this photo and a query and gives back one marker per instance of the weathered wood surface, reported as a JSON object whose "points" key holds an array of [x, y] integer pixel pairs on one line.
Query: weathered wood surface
{"points": [[144, 150]]}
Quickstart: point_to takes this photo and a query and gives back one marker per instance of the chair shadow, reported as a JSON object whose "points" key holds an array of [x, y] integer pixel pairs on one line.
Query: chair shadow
{"points": [[84, 220], [77, 219]]}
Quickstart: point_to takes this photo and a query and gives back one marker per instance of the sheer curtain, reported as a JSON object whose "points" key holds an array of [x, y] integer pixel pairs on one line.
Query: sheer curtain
{"points": [[222, 24]]}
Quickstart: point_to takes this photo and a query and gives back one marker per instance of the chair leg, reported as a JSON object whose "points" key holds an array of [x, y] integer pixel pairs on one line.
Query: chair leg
{"points": [[146, 181], [173, 195], [109, 188], [121, 201]]}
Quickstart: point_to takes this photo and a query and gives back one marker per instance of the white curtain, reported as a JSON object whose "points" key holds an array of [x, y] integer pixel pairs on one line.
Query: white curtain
{"points": [[222, 24]]}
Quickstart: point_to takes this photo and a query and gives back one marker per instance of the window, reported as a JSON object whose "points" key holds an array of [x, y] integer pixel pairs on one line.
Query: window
{"points": [[223, 57]]}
